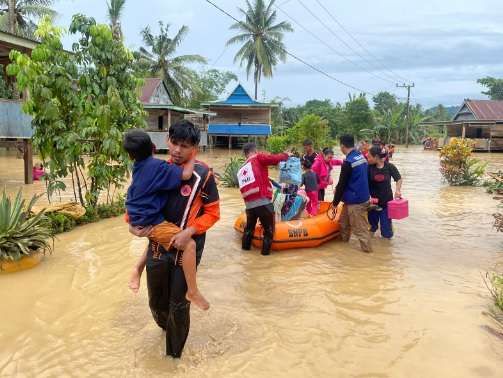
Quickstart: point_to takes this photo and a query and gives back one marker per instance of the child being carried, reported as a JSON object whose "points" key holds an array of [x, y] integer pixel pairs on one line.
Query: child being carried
{"points": [[146, 197]]}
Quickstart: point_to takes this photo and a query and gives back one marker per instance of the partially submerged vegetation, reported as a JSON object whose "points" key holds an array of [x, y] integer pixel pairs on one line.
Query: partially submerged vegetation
{"points": [[495, 186], [21, 233], [457, 165], [230, 176], [494, 283]]}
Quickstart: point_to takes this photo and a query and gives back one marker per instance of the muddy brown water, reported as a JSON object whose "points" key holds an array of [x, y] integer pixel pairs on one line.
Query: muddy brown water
{"points": [[413, 308]]}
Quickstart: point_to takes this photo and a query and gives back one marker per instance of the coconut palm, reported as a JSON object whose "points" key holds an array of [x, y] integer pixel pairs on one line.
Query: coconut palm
{"points": [[162, 62], [262, 40], [20, 16], [115, 10]]}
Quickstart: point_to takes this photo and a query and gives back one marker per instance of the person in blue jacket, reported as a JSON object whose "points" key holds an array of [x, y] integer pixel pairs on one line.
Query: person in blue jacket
{"points": [[353, 190]]}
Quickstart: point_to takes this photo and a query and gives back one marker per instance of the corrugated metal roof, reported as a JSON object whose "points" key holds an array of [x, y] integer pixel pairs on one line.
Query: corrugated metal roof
{"points": [[486, 109], [237, 129], [149, 88], [239, 97]]}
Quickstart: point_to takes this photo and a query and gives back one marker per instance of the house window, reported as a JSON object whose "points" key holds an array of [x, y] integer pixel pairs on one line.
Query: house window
{"points": [[479, 133], [160, 122]]}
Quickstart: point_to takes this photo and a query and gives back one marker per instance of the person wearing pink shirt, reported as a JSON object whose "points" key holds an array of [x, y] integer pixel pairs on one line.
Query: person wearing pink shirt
{"points": [[323, 165]]}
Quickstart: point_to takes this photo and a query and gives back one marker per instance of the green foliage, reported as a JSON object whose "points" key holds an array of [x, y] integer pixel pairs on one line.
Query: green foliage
{"points": [[160, 61], [262, 40], [384, 102], [26, 14], [456, 164], [5, 89], [81, 104], [60, 223], [494, 283], [312, 127], [495, 184], [115, 9], [494, 87], [358, 115], [438, 113], [210, 85], [20, 233], [277, 143], [230, 177]]}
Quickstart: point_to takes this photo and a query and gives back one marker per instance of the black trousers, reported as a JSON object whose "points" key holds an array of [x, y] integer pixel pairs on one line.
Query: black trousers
{"points": [[321, 195], [265, 214], [166, 292]]}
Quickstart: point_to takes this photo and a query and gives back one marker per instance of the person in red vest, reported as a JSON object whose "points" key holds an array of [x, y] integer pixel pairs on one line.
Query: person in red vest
{"points": [[256, 190]]}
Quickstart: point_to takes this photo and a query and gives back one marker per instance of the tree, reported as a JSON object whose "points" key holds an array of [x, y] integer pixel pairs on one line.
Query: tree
{"points": [[262, 40], [180, 80], [20, 16], [438, 113], [312, 127], [81, 104], [115, 10], [494, 86], [358, 115], [384, 102], [211, 84]]}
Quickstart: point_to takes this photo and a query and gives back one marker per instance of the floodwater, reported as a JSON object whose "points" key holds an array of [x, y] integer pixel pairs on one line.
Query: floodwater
{"points": [[414, 308]]}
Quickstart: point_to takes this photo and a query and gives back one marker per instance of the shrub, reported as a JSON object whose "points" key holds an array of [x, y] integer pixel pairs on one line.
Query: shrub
{"points": [[60, 223], [456, 164], [230, 177], [20, 233], [311, 127], [276, 144], [494, 283]]}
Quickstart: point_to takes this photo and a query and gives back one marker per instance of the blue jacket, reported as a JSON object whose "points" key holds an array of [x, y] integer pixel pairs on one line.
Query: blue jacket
{"points": [[357, 188], [148, 193]]}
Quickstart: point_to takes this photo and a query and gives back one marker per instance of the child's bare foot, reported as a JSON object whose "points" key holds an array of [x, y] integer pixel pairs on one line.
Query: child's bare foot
{"points": [[134, 281], [197, 299]]}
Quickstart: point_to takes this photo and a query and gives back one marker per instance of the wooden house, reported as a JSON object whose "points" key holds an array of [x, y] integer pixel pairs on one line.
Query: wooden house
{"points": [[15, 125], [161, 113], [478, 120], [239, 116]]}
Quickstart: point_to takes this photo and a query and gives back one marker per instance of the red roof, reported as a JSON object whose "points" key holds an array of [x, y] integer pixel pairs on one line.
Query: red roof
{"points": [[149, 88], [486, 110]]}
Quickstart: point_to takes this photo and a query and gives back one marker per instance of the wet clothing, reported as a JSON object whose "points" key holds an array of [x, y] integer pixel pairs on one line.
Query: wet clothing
{"points": [[266, 216], [321, 195], [310, 181], [353, 185], [323, 169], [381, 218], [312, 205], [149, 190], [253, 178], [380, 182], [354, 221], [194, 204]]}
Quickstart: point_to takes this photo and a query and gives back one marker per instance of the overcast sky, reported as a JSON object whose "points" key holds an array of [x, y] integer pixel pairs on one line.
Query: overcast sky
{"points": [[441, 46]]}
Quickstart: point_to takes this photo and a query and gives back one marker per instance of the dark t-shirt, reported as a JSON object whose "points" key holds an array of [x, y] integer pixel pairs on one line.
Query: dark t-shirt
{"points": [[380, 182], [311, 158], [310, 181]]}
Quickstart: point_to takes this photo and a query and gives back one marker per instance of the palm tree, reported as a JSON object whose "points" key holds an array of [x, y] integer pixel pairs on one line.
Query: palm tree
{"points": [[115, 10], [19, 16], [180, 80], [262, 40]]}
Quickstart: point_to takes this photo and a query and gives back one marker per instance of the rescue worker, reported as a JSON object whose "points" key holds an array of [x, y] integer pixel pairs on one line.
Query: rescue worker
{"points": [[256, 190], [195, 208], [353, 190]]}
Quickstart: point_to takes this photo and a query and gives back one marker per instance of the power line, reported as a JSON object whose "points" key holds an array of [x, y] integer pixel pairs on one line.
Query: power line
{"points": [[391, 80], [314, 68], [331, 47], [357, 41]]}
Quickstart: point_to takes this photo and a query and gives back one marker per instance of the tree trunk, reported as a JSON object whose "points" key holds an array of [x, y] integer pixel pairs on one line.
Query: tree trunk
{"points": [[12, 16], [257, 68]]}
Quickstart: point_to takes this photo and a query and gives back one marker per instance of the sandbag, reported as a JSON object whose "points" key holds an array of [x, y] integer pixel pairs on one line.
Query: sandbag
{"points": [[290, 171]]}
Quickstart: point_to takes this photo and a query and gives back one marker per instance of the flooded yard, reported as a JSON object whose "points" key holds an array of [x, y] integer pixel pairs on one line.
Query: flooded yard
{"points": [[414, 308]]}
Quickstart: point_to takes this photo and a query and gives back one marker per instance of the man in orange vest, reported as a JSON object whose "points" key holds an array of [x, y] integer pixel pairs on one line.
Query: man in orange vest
{"points": [[256, 190]]}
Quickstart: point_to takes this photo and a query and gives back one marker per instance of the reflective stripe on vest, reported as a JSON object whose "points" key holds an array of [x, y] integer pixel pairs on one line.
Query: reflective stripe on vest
{"points": [[250, 192]]}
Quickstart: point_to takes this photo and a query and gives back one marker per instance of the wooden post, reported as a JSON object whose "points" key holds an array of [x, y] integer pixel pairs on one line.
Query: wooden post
{"points": [[169, 118], [463, 133], [230, 142], [28, 161]]}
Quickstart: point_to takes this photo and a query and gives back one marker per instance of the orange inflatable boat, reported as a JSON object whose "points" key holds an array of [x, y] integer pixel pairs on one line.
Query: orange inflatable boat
{"points": [[300, 233]]}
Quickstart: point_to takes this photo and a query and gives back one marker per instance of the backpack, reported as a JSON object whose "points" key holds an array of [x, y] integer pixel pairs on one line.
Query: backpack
{"points": [[290, 171]]}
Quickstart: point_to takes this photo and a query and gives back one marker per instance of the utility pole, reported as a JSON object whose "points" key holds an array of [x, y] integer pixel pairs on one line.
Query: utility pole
{"points": [[408, 125]]}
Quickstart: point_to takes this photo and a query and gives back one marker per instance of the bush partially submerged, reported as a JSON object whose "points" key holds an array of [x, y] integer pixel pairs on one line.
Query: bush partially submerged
{"points": [[494, 283], [230, 177], [22, 234], [457, 166]]}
